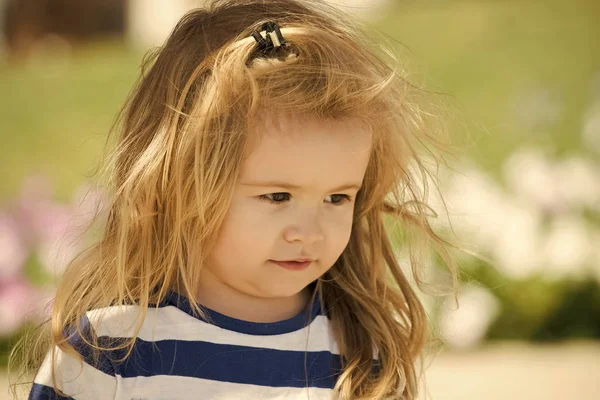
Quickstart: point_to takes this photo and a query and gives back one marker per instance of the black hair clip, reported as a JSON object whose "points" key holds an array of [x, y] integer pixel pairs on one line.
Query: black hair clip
{"points": [[272, 38]]}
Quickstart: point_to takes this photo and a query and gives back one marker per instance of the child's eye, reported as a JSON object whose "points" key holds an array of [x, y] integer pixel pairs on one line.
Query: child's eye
{"points": [[276, 198], [339, 198], [280, 197]]}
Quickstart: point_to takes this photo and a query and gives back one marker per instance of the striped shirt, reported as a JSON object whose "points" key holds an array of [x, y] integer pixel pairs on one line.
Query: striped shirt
{"points": [[180, 356]]}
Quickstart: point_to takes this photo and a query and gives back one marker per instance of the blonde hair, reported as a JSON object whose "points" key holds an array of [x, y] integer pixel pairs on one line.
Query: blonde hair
{"points": [[182, 136]]}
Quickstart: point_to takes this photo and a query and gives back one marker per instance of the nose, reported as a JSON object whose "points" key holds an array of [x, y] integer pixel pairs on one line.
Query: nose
{"points": [[307, 230]]}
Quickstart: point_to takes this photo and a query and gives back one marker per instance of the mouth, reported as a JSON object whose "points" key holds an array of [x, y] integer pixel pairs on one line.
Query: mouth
{"points": [[293, 265]]}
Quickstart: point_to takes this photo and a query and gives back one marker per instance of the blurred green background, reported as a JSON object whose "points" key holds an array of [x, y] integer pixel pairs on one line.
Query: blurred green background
{"points": [[522, 81], [491, 56]]}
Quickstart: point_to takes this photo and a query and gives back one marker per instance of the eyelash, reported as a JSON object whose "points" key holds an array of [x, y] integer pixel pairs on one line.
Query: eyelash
{"points": [[345, 198]]}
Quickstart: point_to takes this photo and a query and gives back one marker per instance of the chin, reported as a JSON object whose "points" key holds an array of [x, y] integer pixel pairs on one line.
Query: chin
{"points": [[280, 289]]}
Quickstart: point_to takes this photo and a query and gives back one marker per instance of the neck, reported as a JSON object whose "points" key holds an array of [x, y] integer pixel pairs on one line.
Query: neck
{"points": [[233, 303]]}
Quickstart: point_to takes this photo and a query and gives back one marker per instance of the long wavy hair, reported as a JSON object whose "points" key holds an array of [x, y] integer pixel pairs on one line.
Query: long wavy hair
{"points": [[180, 145]]}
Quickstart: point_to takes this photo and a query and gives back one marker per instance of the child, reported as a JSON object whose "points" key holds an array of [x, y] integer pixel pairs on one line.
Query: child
{"points": [[245, 254]]}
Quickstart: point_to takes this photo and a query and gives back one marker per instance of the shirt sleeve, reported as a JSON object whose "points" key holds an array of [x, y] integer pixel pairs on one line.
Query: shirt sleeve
{"points": [[92, 378]]}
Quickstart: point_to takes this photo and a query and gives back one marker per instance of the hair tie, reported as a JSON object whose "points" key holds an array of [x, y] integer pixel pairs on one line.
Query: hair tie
{"points": [[269, 37]]}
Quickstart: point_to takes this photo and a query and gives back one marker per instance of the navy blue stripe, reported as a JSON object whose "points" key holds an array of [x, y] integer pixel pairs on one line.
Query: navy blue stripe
{"points": [[101, 360], [229, 363], [251, 328], [43, 392]]}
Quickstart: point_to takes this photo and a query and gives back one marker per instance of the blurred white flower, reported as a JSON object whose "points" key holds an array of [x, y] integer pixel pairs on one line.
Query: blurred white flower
{"points": [[473, 201], [13, 251], [530, 175], [517, 242], [466, 326], [567, 249], [579, 182], [435, 282], [500, 226], [594, 257]]}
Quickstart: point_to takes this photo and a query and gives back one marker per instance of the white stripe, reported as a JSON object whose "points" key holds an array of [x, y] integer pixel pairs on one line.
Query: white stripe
{"points": [[170, 323], [162, 387], [78, 380]]}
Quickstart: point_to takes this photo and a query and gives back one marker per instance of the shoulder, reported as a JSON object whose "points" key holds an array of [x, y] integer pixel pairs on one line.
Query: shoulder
{"points": [[123, 321], [83, 369], [97, 338], [116, 321], [93, 341]]}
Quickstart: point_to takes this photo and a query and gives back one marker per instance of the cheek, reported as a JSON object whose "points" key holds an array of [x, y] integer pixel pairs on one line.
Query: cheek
{"points": [[242, 232], [250, 233], [338, 234]]}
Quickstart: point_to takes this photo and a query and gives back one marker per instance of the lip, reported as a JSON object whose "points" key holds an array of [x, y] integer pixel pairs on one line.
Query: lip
{"points": [[293, 265]]}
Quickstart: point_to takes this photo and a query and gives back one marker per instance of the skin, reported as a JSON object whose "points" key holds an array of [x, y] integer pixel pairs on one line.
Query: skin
{"points": [[269, 221]]}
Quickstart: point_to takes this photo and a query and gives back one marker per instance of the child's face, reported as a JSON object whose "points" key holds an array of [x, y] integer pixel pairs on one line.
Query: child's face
{"points": [[312, 219]]}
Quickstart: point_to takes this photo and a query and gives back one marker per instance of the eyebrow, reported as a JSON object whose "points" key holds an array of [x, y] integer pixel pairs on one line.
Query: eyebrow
{"points": [[290, 186]]}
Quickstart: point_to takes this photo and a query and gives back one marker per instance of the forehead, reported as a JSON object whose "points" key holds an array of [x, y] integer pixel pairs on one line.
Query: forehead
{"points": [[308, 152]]}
